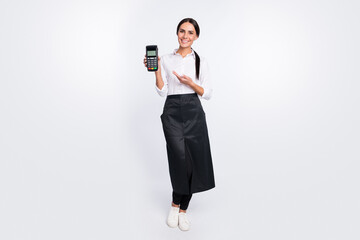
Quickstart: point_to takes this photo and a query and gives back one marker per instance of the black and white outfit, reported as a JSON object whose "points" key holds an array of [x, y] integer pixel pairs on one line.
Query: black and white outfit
{"points": [[184, 125]]}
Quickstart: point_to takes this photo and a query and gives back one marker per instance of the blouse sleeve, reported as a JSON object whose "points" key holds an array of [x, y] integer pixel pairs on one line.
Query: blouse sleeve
{"points": [[205, 79], [162, 92]]}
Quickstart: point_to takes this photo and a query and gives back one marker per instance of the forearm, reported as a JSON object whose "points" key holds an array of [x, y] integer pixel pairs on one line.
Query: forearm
{"points": [[159, 80], [198, 89]]}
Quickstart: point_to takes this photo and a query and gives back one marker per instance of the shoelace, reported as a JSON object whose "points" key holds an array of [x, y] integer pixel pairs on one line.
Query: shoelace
{"points": [[183, 217], [174, 210]]}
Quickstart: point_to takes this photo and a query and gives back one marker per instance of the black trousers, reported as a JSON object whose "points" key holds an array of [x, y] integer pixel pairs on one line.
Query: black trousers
{"points": [[183, 200]]}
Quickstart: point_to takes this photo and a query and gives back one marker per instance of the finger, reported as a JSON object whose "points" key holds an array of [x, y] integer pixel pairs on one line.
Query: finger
{"points": [[177, 75]]}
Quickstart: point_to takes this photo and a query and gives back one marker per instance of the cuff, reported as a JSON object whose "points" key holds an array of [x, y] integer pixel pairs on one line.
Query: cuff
{"points": [[161, 92], [207, 94]]}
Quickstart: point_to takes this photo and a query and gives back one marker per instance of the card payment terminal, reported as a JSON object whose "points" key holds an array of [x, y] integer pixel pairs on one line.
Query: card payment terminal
{"points": [[152, 57]]}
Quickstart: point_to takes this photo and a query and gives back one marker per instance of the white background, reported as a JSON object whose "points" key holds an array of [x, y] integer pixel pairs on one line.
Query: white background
{"points": [[83, 154]]}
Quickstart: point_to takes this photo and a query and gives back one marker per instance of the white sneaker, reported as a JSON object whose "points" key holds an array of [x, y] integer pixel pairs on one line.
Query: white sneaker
{"points": [[184, 223], [173, 218]]}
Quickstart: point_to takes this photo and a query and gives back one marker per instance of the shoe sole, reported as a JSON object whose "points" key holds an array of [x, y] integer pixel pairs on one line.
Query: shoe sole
{"points": [[171, 225], [184, 230]]}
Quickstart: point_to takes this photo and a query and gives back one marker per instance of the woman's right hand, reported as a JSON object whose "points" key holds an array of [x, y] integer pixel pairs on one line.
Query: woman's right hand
{"points": [[145, 63]]}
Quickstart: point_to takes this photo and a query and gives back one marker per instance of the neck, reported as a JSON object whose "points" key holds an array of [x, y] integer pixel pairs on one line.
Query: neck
{"points": [[184, 51]]}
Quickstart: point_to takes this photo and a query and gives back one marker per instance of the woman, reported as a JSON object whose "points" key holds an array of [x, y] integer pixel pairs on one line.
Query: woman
{"points": [[184, 78]]}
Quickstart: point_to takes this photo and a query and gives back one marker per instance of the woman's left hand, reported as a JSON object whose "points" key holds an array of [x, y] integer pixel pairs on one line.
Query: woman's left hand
{"points": [[184, 79]]}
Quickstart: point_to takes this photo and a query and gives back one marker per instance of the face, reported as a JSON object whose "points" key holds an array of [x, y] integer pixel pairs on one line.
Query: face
{"points": [[186, 35]]}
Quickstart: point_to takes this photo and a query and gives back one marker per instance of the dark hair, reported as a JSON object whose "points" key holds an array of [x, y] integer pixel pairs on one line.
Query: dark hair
{"points": [[197, 29]]}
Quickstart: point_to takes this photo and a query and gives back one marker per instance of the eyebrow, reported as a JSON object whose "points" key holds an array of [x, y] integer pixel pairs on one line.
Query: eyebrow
{"points": [[185, 30]]}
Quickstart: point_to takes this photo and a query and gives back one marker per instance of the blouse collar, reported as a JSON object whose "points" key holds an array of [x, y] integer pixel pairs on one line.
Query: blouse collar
{"points": [[192, 53]]}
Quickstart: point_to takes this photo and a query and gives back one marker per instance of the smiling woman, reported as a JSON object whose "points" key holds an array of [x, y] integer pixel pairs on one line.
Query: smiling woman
{"points": [[184, 78]]}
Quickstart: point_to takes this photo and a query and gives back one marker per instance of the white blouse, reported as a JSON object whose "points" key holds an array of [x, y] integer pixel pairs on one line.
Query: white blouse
{"points": [[183, 66]]}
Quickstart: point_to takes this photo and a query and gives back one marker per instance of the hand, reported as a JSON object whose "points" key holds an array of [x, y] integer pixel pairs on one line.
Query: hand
{"points": [[145, 63], [184, 79]]}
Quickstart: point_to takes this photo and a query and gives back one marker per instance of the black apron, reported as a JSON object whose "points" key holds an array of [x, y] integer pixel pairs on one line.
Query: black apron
{"points": [[187, 143]]}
